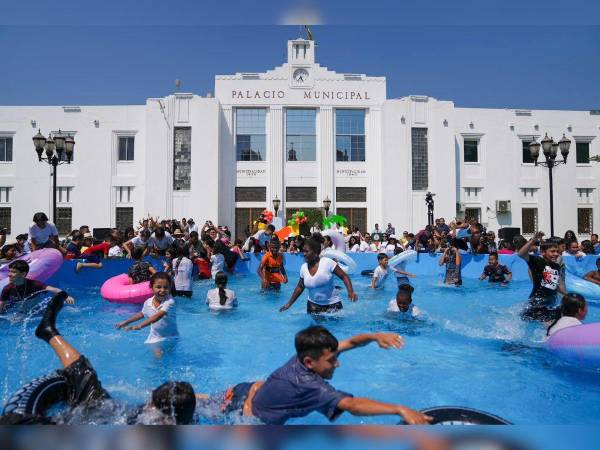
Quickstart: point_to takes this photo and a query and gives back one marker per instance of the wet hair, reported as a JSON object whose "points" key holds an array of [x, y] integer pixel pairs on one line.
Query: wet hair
{"points": [[160, 276], [40, 217], [547, 246], [381, 256], [494, 254], [20, 266], [175, 399], [312, 341], [314, 245], [570, 305], [221, 283], [137, 253], [405, 289], [318, 237], [218, 247]]}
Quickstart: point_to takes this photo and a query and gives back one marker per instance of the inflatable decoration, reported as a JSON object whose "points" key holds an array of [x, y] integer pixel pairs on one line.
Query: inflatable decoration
{"points": [[298, 218], [589, 290], [118, 290], [336, 219], [42, 265], [579, 345]]}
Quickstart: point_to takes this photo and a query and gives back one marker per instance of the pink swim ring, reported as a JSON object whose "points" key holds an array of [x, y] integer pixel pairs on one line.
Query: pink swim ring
{"points": [[118, 290]]}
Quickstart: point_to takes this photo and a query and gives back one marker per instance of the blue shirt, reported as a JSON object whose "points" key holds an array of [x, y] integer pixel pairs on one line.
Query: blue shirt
{"points": [[294, 391]]}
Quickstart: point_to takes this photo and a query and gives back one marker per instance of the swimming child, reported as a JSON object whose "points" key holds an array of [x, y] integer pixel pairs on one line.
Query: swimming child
{"points": [[382, 271], [403, 302], [158, 312], [452, 259], [221, 297], [75, 251], [496, 272], [271, 269], [594, 275], [573, 309], [401, 274], [19, 287], [140, 271]]}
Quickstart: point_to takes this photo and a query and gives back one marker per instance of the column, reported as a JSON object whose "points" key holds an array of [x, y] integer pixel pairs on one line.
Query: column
{"points": [[275, 158], [326, 155], [374, 156], [227, 169]]}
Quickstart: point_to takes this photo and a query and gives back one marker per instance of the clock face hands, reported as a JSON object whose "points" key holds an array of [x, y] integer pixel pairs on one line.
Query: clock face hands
{"points": [[300, 76]]}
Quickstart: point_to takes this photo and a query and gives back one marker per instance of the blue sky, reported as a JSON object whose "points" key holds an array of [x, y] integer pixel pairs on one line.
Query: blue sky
{"points": [[503, 54]]}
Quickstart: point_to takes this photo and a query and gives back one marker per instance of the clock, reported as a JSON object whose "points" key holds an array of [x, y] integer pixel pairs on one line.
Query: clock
{"points": [[300, 76]]}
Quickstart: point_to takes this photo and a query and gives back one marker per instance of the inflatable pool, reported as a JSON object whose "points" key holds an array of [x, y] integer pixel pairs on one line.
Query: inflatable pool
{"points": [[583, 287], [578, 345], [42, 265], [118, 290]]}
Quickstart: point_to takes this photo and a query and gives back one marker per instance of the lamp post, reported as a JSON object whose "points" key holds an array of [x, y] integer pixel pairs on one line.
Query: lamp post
{"points": [[276, 204], [550, 150], [326, 205], [54, 147], [430, 203]]}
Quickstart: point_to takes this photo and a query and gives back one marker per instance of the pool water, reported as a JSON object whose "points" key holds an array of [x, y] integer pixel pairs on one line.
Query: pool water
{"points": [[470, 349]]}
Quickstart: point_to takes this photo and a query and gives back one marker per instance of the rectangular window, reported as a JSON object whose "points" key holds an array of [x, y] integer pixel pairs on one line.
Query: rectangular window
{"points": [[124, 194], [351, 194], [244, 221], [250, 135], [472, 194], [182, 159], [64, 220], [585, 195], [126, 148], [357, 217], [301, 194], [420, 163], [63, 194], [583, 152], [5, 216], [529, 220], [470, 147], [473, 214], [350, 135], [5, 194], [123, 217], [251, 194], [585, 220], [529, 194], [527, 159], [301, 138], [6, 149]]}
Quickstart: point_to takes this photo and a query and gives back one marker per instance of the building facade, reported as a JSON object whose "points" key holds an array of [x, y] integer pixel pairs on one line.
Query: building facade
{"points": [[300, 133]]}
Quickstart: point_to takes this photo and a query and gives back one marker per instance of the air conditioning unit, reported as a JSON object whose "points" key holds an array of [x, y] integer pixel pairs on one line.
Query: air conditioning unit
{"points": [[502, 206], [460, 207]]}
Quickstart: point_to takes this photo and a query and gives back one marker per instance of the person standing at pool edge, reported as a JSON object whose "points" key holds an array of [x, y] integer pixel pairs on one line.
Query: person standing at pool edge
{"points": [[547, 281], [316, 274]]}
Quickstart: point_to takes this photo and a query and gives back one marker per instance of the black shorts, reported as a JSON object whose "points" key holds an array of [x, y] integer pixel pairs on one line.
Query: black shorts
{"points": [[541, 313], [230, 401], [84, 385], [313, 308]]}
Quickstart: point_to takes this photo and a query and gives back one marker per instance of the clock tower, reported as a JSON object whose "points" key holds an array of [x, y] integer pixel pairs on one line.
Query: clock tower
{"points": [[301, 58]]}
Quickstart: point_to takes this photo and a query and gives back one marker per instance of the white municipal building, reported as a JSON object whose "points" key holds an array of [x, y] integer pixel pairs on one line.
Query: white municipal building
{"points": [[300, 133]]}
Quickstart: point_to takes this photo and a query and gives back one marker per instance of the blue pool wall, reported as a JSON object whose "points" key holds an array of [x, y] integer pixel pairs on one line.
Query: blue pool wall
{"points": [[427, 265]]}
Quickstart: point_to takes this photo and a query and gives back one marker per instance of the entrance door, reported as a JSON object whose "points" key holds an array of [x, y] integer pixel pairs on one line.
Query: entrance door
{"points": [[243, 221], [357, 217]]}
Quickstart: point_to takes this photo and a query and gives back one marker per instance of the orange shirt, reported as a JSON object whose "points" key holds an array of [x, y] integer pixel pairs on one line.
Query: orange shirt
{"points": [[272, 268]]}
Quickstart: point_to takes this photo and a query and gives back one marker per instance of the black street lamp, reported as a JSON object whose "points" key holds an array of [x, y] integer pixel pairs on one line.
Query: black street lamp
{"points": [[430, 204], [55, 148], [550, 150], [276, 204], [326, 205]]}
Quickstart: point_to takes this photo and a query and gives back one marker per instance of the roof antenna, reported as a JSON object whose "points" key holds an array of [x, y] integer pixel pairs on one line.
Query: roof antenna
{"points": [[177, 85]]}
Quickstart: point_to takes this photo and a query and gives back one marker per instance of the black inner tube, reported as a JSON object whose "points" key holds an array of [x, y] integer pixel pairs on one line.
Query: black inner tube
{"points": [[367, 273], [457, 415]]}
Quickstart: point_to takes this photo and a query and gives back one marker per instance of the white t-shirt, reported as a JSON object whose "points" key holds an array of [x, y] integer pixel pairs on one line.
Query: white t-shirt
{"points": [[214, 301], [115, 251], [355, 248], [380, 274], [564, 322], [41, 235], [321, 290], [137, 242], [217, 263], [164, 328], [183, 274], [412, 309], [390, 249], [262, 238], [192, 227], [364, 247], [160, 244]]}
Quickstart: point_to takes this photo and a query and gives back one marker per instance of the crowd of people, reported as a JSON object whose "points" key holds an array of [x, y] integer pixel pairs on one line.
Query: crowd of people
{"points": [[299, 387]]}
